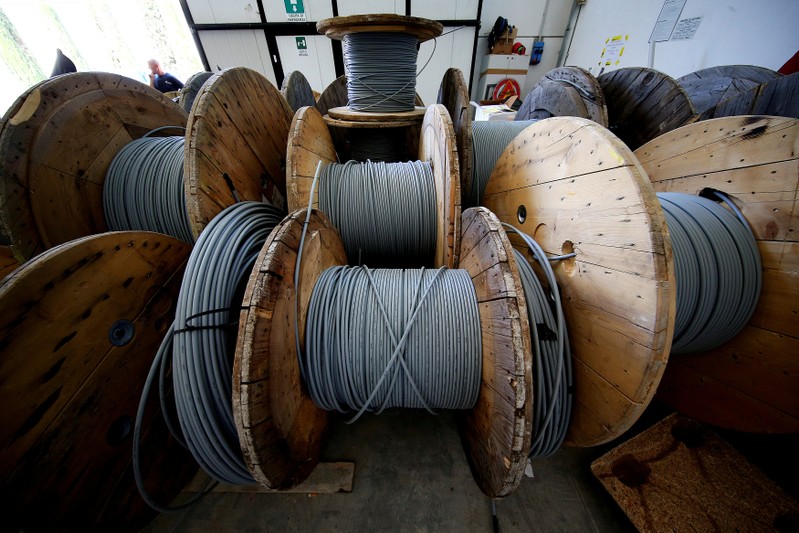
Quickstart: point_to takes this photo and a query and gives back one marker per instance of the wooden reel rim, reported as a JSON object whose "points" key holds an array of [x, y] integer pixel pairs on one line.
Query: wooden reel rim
{"points": [[334, 95], [750, 383], [584, 191], [644, 103], [552, 99], [189, 91], [57, 143], [310, 142], [337, 27], [280, 429], [709, 86], [297, 91], [437, 145], [235, 145], [64, 307], [454, 95], [589, 92], [497, 432], [776, 97], [345, 117]]}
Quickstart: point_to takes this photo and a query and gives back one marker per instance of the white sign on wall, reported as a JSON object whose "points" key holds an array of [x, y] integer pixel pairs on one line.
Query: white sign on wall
{"points": [[295, 10], [667, 19], [686, 29]]}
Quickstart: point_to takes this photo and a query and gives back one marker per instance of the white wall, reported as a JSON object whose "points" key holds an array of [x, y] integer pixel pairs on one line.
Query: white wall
{"points": [[756, 32], [526, 15]]}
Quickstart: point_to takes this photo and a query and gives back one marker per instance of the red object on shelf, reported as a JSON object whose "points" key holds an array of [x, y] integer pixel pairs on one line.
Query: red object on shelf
{"points": [[505, 89]]}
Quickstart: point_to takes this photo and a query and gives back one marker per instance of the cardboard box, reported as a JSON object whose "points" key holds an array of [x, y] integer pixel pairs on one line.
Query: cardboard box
{"points": [[495, 112], [504, 44]]}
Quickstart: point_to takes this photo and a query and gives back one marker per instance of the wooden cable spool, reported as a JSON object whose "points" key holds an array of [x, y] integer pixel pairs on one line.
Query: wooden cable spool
{"points": [[310, 142], [566, 91], [56, 144], [708, 87], [338, 27], [644, 103], [81, 324], [297, 91], [454, 95], [778, 97], [235, 145], [752, 382], [282, 431], [573, 186], [192, 86]]}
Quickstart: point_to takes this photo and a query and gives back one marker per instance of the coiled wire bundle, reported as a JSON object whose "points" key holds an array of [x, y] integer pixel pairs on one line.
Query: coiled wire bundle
{"points": [[553, 378], [143, 188], [381, 144], [382, 210], [718, 270], [200, 342], [377, 339], [381, 71], [489, 140]]}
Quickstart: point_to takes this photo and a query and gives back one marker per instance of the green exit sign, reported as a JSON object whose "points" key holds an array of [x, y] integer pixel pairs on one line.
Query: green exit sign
{"points": [[295, 10]]}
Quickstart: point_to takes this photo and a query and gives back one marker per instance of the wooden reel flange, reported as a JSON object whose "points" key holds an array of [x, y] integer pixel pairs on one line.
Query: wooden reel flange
{"points": [[310, 142], [573, 186], [566, 91], [235, 145], [454, 95], [297, 91], [81, 324], [338, 27], [644, 103], [280, 429], [750, 383], [56, 144], [708, 87]]}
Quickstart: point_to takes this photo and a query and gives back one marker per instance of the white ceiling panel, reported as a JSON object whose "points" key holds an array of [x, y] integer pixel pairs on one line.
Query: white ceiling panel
{"points": [[315, 60], [229, 11], [366, 7], [238, 48], [445, 9], [451, 50]]}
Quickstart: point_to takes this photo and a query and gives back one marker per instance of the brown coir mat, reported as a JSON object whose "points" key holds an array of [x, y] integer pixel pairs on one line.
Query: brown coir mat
{"points": [[680, 476]]}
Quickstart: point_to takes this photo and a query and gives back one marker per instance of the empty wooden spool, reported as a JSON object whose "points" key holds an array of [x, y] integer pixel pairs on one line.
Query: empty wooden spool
{"points": [[56, 143], [750, 383], [297, 91], [81, 324], [644, 103], [235, 145], [310, 143], [574, 186], [566, 92], [281, 430]]}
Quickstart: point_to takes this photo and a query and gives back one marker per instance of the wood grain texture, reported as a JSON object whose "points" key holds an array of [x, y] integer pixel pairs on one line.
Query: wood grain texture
{"points": [[644, 103], [438, 146], [368, 119], [326, 478], [679, 475], [334, 95], [56, 145], [280, 429], [496, 433], [566, 91], [297, 91], [309, 143], [582, 188], [778, 97], [190, 89], [750, 383], [70, 395], [235, 145], [454, 95], [707, 87], [338, 27]]}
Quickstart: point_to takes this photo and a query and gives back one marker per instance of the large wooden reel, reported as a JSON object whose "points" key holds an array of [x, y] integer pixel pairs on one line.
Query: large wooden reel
{"points": [[56, 144], [235, 145], [297, 91], [752, 382], [573, 186], [708, 87], [311, 143], [644, 103], [454, 95], [778, 97], [566, 92], [81, 324]]}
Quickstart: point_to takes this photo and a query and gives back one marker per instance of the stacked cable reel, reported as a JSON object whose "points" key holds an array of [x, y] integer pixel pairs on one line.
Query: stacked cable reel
{"points": [[297, 91], [381, 116], [565, 91]]}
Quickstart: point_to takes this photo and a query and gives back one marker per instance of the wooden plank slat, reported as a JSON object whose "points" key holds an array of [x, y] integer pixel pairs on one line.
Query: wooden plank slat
{"points": [[454, 95], [297, 91]]}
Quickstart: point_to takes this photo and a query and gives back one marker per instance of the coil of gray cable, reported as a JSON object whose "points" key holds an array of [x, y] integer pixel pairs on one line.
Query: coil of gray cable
{"points": [[209, 302], [143, 188], [385, 338], [553, 378], [489, 140], [381, 71], [382, 210], [717, 268]]}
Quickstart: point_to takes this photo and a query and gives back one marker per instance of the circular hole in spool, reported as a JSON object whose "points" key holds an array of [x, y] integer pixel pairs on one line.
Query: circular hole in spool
{"points": [[521, 214], [120, 431], [570, 264], [708, 193], [121, 332]]}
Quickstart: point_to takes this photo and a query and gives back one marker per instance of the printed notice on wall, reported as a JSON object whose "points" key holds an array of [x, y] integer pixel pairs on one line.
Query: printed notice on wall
{"points": [[613, 50], [686, 29], [295, 10], [302, 46], [669, 15]]}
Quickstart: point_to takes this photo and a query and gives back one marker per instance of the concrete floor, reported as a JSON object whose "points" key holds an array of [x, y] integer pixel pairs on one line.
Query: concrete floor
{"points": [[411, 475]]}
